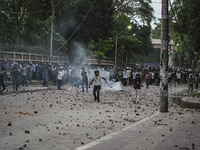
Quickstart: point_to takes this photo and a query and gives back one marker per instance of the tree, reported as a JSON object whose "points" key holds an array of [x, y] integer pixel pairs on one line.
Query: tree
{"points": [[131, 12], [27, 23], [135, 9], [85, 22], [185, 23], [156, 32]]}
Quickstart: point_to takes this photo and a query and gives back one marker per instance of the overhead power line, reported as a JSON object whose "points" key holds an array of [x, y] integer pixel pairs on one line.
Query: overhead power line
{"points": [[76, 28]]}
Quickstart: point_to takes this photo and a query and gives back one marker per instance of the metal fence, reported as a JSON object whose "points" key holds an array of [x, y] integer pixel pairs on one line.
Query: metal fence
{"points": [[30, 57]]}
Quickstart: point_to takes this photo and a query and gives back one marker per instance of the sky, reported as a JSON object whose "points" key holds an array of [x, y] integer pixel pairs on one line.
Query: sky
{"points": [[156, 4]]}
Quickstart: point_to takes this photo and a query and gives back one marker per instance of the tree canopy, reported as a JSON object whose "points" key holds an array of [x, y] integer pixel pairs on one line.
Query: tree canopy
{"points": [[93, 24], [185, 19]]}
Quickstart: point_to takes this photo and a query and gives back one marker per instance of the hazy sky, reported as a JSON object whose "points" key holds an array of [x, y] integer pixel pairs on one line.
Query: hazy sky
{"points": [[156, 4]]}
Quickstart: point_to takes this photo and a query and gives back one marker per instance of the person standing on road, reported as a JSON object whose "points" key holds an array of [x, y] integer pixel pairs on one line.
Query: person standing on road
{"points": [[196, 80], [125, 77], [15, 77], [137, 86], [2, 76], [30, 72], [147, 79], [97, 85], [173, 79], [24, 75], [45, 77], [190, 84], [60, 75], [38, 69], [178, 76], [84, 79]]}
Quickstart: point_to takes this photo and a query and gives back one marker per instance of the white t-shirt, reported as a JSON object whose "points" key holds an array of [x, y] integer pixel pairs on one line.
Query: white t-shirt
{"points": [[125, 75], [129, 72], [134, 75], [61, 74], [178, 75], [97, 80]]}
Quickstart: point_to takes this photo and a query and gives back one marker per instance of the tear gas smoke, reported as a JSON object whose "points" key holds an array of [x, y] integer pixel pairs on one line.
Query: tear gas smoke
{"points": [[80, 54], [116, 86]]}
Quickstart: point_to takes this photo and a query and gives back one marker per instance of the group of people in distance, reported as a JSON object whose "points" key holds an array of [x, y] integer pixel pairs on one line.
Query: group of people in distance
{"points": [[22, 73]]}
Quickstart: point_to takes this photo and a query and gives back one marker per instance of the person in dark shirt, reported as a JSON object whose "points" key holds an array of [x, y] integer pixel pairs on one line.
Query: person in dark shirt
{"points": [[137, 86], [45, 77], [190, 84], [15, 77], [84, 79], [2, 75]]}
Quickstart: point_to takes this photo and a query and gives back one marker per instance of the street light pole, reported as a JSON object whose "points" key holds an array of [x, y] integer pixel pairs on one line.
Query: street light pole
{"points": [[116, 40], [51, 43], [164, 58]]}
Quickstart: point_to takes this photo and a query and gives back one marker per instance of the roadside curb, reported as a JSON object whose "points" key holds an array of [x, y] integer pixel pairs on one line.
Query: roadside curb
{"points": [[186, 103], [117, 133]]}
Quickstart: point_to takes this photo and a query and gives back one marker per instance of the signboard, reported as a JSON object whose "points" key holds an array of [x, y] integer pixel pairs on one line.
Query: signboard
{"points": [[164, 45], [164, 9]]}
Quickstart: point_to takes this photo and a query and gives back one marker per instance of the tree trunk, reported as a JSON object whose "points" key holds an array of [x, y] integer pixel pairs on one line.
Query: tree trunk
{"points": [[194, 64], [1, 30]]}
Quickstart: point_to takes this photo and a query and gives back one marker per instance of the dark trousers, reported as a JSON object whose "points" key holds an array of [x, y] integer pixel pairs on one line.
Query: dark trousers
{"points": [[197, 85], [45, 83], [2, 84], [190, 88], [15, 83], [38, 75], [24, 80], [85, 81], [96, 92], [124, 81], [59, 84], [147, 83]]}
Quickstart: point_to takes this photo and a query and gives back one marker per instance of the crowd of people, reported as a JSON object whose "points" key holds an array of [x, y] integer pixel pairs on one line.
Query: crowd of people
{"points": [[22, 73]]}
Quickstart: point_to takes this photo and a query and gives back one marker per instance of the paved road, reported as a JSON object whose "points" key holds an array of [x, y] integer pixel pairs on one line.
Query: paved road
{"points": [[163, 131]]}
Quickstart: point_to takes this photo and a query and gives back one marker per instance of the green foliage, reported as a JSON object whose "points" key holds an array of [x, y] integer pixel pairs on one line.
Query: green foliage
{"points": [[134, 9], [156, 32], [24, 22], [185, 16]]}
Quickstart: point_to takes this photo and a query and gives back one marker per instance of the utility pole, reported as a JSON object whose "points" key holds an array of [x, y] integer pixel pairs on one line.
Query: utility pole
{"points": [[116, 38], [164, 58], [99, 56], [51, 43]]}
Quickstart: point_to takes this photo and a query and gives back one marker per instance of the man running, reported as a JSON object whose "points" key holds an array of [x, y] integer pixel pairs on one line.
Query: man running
{"points": [[97, 85]]}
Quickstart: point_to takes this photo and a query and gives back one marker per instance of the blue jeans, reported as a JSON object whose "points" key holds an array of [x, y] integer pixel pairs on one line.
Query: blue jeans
{"points": [[96, 92], [173, 82], [38, 75], [15, 83], [85, 81], [24, 80], [30, 76]]}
